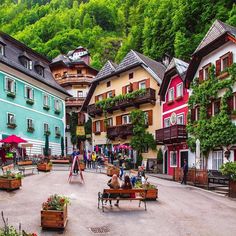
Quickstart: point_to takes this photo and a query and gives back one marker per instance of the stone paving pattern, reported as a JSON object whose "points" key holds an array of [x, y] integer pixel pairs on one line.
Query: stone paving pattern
{"points": [[180, 210]]}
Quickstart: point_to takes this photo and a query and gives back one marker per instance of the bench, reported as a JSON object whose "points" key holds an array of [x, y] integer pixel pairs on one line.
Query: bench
{"points": [[10, 168], [140, 195], [24, 166], [216, 178], [60, 161]]}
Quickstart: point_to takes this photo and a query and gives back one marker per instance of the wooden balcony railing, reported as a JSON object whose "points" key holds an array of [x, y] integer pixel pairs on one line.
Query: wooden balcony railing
{"points": [[172, 134], [148, 97], [120, 131], [74, 79], [75, 101]]}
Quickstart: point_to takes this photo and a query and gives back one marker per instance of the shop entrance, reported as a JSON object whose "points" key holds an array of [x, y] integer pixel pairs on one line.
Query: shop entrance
{"points": [[183, 156], [166, 162]]}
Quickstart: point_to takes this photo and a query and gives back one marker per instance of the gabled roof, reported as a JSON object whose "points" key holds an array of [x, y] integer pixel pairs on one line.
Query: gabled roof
{"points": [[106, 70], [217, 29], [131, 60], [219, 34], [176, 67]]}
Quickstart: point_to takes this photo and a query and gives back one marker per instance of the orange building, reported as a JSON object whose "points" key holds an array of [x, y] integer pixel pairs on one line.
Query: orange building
{"points": [[74, 73]]}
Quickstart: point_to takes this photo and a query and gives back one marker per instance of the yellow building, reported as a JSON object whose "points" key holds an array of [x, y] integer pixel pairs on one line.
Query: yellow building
{"points": [[136, 72]]}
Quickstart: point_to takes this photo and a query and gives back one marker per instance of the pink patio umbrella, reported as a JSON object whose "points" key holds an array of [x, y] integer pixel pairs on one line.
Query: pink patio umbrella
{"points": [[13, 139]]}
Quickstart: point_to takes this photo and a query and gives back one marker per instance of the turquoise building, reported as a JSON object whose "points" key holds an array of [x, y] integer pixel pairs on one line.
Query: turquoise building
{"points": [[32, 104]]}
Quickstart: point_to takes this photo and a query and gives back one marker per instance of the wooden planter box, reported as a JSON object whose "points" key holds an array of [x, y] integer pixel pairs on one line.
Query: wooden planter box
{"points": [[10, 184], [44, 167], [53, 219], [24, 163], [232, 189], [82, 166], [152, 194]]}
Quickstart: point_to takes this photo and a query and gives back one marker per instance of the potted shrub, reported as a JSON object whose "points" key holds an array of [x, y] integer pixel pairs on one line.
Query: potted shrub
{"points": [[10, 181], [152, 191], [45, 165], [54, 212], [229, 169]]}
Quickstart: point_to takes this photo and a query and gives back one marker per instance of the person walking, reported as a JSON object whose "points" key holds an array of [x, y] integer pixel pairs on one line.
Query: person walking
{"points": [[94, 159], [185, 172], [89, 160]]}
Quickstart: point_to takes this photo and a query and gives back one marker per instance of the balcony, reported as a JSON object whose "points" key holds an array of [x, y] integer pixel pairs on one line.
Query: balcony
{"points": [[172, 134], [148, 97], [73, 79], [75, 101], [121, 131]]}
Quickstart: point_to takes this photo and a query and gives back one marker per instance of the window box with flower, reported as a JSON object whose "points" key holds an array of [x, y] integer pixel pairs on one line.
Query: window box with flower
{"points": [[58, 135], [11, 94], [11, 125], [54, 212], [30, 129], [30, 101], [46, 107], [57, 112], [47, 132]]}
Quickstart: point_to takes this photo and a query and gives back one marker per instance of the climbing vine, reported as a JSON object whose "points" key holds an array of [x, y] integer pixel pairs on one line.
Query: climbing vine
{"points": [[218, 130]]}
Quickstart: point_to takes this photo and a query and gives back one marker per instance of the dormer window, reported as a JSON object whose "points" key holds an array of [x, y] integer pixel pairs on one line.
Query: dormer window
{"points": [[40, 70], [179, 90], [2, 49], [27, 63], [79, 71], [131, 75], [171, 95]]}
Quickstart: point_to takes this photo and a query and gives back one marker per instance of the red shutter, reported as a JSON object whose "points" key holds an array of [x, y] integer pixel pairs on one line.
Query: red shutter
{"points": [[148, 83], [209, 110], [118, 120], [104, 95], [94, 127], [218, 67], [150, 117], [193, 111], [113, 93], [200, 75], [124, 90], [135, 86], [102, 125], [230, 103], [96, 98], [230, 61]]}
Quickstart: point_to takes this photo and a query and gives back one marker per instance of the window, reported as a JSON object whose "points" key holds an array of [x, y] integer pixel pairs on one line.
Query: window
{"points": [[2, 50], [10, 85], [206, 72], [100, 97], [216, 107], [225, 63], [10, 119], [45, 100], [27, 63], [167, 122], [45, 127], [180, 90], [57, 130], [145, 148], [79, 71], [217, 159], [180, 119], [109, 122], [29, 123], [110, 94], [173, 159], [146, 117], [131, 75], [80, 94], [57, 105], [197, 113], [65, 73], [97, 126], [40, 70], [108, 83], [57, 75], [29, 94], [126, 119], [171, 95], [142, 85]]}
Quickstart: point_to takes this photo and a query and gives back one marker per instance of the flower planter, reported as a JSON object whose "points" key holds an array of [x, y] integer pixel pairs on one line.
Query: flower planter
{"points": [[10, 184], [44, 167], [152, 194], [53, 219], [232, 189]]}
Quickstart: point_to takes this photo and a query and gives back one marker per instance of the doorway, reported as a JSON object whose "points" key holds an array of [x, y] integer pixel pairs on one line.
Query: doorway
{"points": [[166, 162], [183, 156]]}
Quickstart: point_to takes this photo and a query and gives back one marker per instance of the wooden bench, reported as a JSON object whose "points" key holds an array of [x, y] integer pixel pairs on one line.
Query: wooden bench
{"points": [[216, 178], [24, 166], [60, 161], [10, 168], [140, 195]]}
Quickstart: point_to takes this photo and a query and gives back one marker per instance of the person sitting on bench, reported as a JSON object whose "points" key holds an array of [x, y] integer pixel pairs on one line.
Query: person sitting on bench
{"points": [[114, 184]]}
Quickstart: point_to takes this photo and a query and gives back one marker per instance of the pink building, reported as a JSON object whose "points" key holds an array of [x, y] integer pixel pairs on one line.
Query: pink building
{"points": [[174, 97]]}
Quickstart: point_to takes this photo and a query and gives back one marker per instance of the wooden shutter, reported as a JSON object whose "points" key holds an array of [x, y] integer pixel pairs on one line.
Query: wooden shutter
{"points": [[102, 125], [124, 90], [104, 95], [209, 110], [113, 93], [200, 75], [118, 120], [148, 83], [135, 86], [230, 61], [193, 111], [150, 117], [94, 127], [230, 103], [96, 98], [218, 67]]}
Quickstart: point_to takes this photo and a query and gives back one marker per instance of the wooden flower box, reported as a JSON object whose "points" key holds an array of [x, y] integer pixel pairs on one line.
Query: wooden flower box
{"points": [[52, 219], [152, 194], [44, 167], [232, 189], [82, 166], [10, 184], [24, 163]]}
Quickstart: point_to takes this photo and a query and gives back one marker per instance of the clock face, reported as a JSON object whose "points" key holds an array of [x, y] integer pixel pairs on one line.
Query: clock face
{"points": [[173, 118]]}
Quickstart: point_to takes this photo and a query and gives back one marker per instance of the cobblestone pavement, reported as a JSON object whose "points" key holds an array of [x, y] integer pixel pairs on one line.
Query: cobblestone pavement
{"points": [[180, 210]]}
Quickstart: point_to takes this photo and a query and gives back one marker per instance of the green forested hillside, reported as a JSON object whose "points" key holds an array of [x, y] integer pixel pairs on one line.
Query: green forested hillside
{"points": [[110, 28]]}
